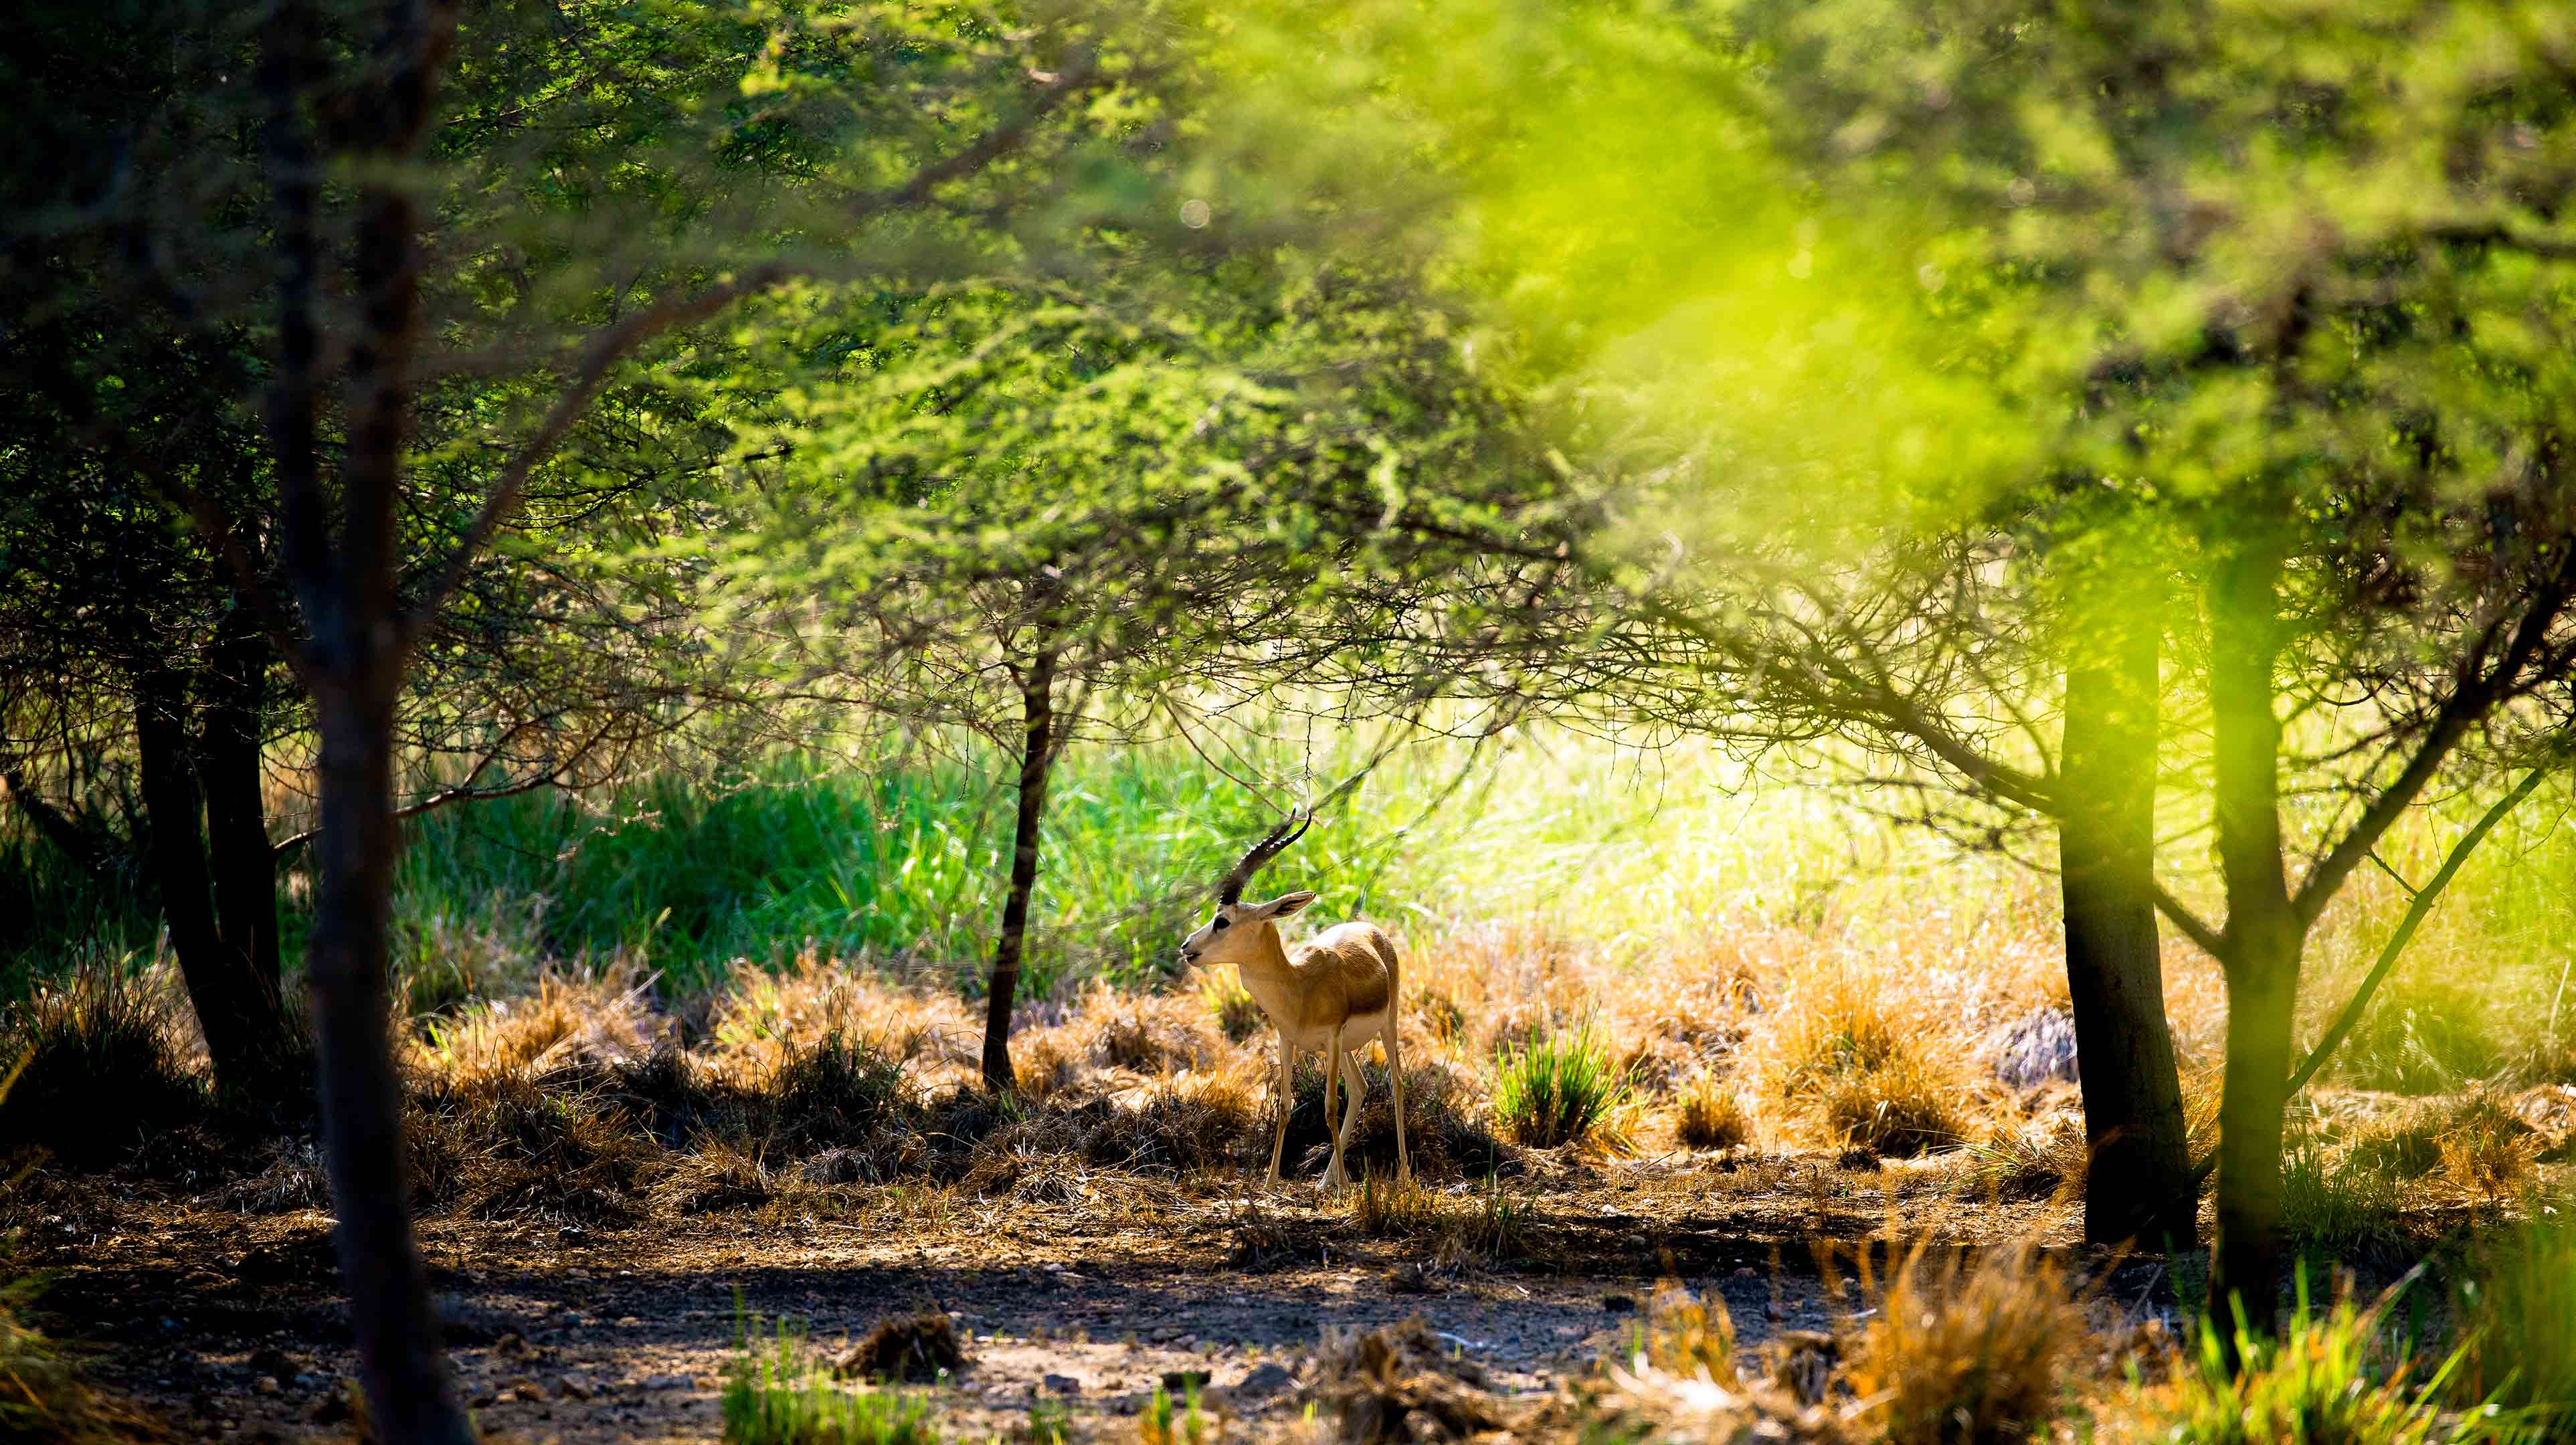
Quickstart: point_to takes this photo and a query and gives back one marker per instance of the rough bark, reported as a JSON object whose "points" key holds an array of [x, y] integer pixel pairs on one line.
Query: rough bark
{"points": [[1037, 759], [237, 1017], [2263, 940], [2139, 1186]]}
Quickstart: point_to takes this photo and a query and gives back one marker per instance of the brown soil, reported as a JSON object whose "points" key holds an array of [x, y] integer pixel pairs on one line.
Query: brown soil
{"points": [[230, 1325]]}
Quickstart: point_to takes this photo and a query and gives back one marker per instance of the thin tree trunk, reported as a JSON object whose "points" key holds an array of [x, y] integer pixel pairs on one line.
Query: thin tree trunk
{"points": [[1037, 759], [231, 1011], [2139, 1185], [228, 765], [2263, 941]]}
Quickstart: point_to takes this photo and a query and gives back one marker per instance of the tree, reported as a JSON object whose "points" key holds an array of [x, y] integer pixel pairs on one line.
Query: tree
{"points": [[1922, 303], [326, 244], [1045, 517]]}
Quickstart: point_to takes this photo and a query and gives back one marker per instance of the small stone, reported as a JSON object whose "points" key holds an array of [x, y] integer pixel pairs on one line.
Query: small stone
{"points": [[669, 1382], [1164, 1334], [1772, 1311], [1619, 1304], [264, 1385], [568, 1387], [1744, 1271], [1061, 1385], [1178, 1381], [1268, 1378]]}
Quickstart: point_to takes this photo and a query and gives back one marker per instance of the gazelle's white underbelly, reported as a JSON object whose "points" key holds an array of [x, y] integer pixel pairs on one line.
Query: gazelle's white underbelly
{"points": [[1356, 1032]]}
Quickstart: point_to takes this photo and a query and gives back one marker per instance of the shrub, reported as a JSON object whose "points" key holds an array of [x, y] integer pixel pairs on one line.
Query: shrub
{"points": [[2038, 1161], [95, 1070], [46, 1399], [1957, 1353], [1397, 1208], [2323, 1382], [776, 1394], [1558, 1089], [2421, 1036], [2520, 1313], [1850, 1043], [1713, 1116]]}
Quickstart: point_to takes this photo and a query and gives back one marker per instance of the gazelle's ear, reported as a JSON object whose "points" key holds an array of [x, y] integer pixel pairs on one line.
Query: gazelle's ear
{"points": [[1286, 904]]}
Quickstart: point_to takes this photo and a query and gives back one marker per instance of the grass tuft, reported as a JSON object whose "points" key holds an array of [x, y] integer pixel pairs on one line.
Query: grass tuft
{"points": [[1165, 1421], [95, 1070], [776, 1393], [2329, 1379], [1713, 1114], [1558, 1089], [1957, 1352]]}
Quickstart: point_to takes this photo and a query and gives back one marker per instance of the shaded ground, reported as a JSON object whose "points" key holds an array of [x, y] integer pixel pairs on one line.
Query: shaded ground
{"points": [[230, 1324]]}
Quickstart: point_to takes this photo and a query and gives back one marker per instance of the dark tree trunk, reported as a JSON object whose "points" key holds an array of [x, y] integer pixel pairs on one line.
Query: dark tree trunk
{"points": [[2263, 940], [2139, 1186], [228, 764], [353, 663], [238, 1017], [1037, 759]]}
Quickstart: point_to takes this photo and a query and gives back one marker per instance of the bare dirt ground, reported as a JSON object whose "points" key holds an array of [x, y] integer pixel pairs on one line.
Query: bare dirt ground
{"points": [[230, 1325]]}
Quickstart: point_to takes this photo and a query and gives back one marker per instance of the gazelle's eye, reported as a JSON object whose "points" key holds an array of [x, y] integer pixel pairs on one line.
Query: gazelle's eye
{"points": [[1220, 921]]}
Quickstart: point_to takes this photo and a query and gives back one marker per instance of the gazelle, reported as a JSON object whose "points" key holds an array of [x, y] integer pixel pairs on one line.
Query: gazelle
{"points": [[1328, 995]]}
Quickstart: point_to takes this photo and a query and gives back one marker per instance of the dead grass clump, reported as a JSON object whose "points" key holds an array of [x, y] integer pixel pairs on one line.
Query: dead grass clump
{"points": [[1903, 1106], [1850, 1044], [1044, 1062], [508, 1149], [1143, 1032], [570, 1020], [2043, 1159], [715, 1176], [1196, 1122], [97, 1070], [1712, 1114], [1397, 1208], [1447, 1139], [838, 1091], [1400, 1384], [918, 1346], [763, 1019], [290, 1180], [1961, 1353]]}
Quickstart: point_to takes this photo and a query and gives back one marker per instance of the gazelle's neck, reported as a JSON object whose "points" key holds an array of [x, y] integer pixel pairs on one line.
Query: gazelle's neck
{"points": [[1263, 965]]}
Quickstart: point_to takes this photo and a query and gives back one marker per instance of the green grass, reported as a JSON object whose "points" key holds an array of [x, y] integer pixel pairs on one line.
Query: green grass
{"points": [[2520, 1315], [2330, 1379], [1557, 1089], [776, 1394], [899, 856]]}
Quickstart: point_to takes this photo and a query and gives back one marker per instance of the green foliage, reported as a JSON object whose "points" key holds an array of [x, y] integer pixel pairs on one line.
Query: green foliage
{"points": [[2329, 1380], [1557, 1089], [2518, 1314], [776, 1393]]}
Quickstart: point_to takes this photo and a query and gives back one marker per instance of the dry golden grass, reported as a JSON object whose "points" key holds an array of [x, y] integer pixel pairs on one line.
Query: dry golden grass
{"points": [[571, 1018], [1688, 1336], [1712, 1114], [1961, 1352]]}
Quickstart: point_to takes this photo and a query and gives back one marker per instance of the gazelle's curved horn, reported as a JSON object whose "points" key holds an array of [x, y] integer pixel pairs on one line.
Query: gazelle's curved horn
{"points": [[1230, 888]]}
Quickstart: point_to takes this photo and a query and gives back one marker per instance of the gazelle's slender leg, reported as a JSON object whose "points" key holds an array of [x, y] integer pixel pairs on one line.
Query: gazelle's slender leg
{"points": [[1357, 1083], [1395, 1082], [1287, 1102], [1334, 1178]]}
